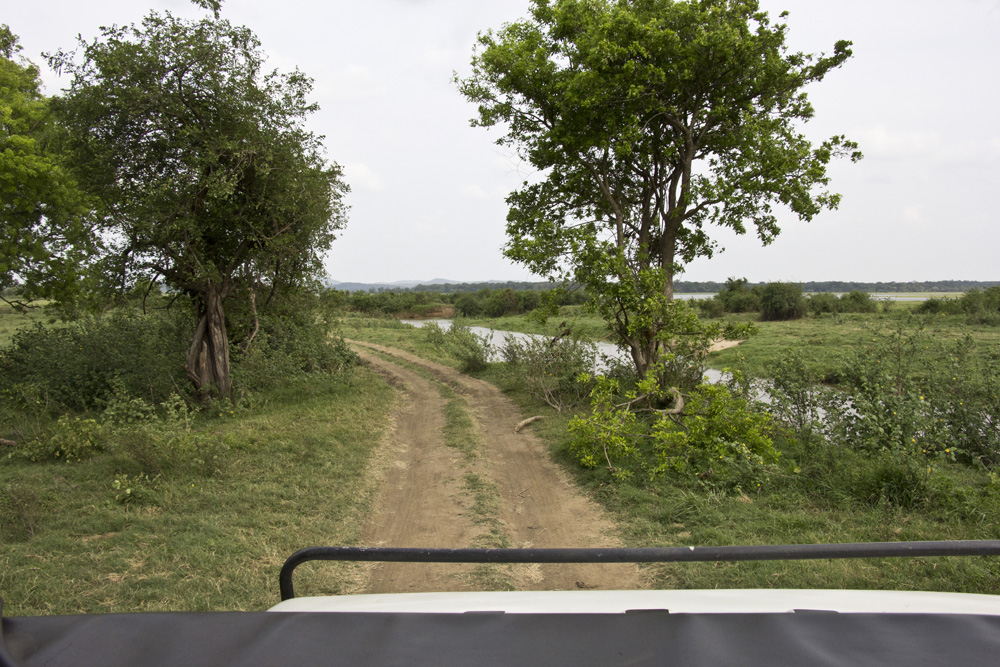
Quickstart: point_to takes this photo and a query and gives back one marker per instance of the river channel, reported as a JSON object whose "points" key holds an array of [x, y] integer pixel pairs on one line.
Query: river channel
{"points": [[497, 339]]}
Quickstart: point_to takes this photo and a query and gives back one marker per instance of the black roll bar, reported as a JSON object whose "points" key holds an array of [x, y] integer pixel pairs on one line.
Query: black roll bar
{"points": [[636, 555]]}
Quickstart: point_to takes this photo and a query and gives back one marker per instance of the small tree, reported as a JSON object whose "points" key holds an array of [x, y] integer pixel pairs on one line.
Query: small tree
{"points": [[781, 301], [208, 179], [648, 120]]}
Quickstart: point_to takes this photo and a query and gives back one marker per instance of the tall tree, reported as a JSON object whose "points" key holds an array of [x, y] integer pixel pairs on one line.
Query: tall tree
{"points": [[648, 120], [44, 232], [208, 179]]}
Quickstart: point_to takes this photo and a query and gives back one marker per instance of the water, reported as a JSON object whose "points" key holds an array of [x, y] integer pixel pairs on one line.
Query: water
{"points": [[497, 339]]}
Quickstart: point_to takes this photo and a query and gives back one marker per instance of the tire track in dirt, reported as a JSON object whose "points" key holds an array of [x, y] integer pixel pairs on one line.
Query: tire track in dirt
{"points": [[422, 503]]}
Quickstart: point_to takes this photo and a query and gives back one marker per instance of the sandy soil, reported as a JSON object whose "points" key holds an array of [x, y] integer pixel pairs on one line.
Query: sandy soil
{"points": [[424, 500], [723, 345]]}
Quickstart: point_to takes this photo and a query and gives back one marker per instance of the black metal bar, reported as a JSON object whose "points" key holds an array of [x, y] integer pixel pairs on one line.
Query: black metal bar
{"points": [[646, 555]]}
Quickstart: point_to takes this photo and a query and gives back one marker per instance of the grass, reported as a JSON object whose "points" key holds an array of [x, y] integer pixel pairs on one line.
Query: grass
{"points": [[212, 533], [393, 333], [825, 502], [290, 474], [11, 321], [824, 341], [818, 493], [575, 318]]}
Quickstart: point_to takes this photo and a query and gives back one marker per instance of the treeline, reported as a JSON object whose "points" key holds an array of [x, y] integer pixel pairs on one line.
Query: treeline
{"points": [[843, 287], [485, 302], [786, 301], [696, 287]]}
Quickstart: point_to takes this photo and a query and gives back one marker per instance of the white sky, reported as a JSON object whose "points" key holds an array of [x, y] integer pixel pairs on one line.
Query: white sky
{"points": [[921, 96]]}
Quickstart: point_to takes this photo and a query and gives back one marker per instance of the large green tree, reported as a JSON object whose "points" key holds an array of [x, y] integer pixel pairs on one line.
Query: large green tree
{"points": [[648, 121], [208, 180], [44, 233]]}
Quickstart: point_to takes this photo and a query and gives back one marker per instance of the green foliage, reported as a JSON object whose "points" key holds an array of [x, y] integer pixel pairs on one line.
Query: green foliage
{"points": [[78, 367], [781, 301], [824, 302], [857, 301], [885, 408], [549, 370], [719, 439], [473, 352], [71, 439], [943, 406], [795, 395], [618, 104], [289, 347], [962, 395], [44, 225], [207, 178], [737, 297], [895, 478], [138, 489], [979, 306]]}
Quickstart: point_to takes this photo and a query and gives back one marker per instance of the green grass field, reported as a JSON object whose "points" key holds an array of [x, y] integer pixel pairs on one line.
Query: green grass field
{"points": [[208, 532], [208, 527]]}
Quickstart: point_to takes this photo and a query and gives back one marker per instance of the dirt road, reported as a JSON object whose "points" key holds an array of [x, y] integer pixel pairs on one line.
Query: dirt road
{"points": [[487, 487]]}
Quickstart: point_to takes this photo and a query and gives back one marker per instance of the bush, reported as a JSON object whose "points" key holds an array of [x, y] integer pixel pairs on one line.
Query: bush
{"points": [[944, 406], [938, 307], [890, 478], [781, 301], [737, 297], [290, 347], [823, 302], [796, 397], [857, 301], [473, 352], [713, 308], [718, 440], [76, 368], [70, 439], [549, 370]]}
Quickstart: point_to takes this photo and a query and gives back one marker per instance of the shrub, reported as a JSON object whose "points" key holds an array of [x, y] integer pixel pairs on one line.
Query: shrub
{"points": [[713, 308], [857, 301], [823, 302], [937, 307], [473, 352], [719, 439], [290, 347], [70, 439], [138, 489], [795, 397], [549, 370], [884, 409], [77, 368], [891, 478], [737, 297], [781, 301]]}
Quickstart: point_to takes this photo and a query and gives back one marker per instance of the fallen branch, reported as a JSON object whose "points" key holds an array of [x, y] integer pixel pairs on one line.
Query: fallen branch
{"points": [[8, 443], [522, 424]]}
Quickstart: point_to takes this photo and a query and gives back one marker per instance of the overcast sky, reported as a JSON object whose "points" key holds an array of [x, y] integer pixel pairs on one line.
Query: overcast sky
{"points": [[921, 96]]}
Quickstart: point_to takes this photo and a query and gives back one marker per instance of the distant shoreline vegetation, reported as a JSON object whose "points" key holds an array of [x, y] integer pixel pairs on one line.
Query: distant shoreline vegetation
{"points": [[684, 287]]}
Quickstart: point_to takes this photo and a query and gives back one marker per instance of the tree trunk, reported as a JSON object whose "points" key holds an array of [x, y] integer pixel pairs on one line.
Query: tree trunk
{"points": [[208, 357]]}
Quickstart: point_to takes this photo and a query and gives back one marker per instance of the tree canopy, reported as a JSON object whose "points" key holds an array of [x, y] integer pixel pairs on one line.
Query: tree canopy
{"points": [[208, 180], [43, 216], [649, 121]]}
